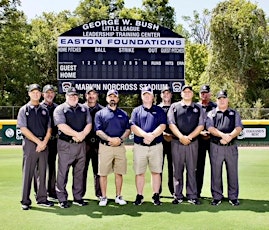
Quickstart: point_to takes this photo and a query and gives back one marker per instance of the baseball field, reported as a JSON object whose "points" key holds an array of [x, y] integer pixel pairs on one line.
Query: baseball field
{"points": [[253, 212]]}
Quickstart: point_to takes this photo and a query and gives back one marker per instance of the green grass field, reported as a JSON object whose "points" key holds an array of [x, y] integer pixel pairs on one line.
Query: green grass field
{"points": [[253, 212]]}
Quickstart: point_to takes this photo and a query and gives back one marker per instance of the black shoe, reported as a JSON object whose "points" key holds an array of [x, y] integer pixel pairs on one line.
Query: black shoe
{"points": [[138, 200], [80, 202], [156, 199], [25, 207], [194, 201], [215, 202], [46, 203], [177, 201], [64, 204], [234, 202]]}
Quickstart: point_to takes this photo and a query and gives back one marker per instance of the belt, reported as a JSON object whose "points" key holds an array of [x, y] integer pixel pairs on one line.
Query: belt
{"points": [[176, 138], [92, 140], [151, 144], [41, 138], [69, 141], [218, 143], [53, 138], [106, 143]]}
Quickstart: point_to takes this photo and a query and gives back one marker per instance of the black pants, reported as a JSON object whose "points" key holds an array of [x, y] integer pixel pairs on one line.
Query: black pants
{"points": [[168, 155], [51, 183], [92, 155], [204, 145]]}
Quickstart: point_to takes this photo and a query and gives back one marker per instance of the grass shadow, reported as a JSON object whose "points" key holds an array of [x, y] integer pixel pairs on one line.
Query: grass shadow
{"points": [[94, 211]]}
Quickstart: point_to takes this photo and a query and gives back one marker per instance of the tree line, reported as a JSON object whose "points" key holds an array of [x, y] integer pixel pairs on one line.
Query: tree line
{"points": [[227, 47]]}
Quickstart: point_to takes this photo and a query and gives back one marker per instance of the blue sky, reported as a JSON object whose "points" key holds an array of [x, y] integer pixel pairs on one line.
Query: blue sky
{"points": [[33, 8]]}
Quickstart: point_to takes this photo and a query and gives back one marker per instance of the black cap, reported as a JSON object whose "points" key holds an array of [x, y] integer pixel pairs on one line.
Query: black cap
{"points": [[47, 88], [205, 89], [186, 87], [222, 93], [33, 87], [71, 91], [90, 89], [112, 91], [166, 88]]}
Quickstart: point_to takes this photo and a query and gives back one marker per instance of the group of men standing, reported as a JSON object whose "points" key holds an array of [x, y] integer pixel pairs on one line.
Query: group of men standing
{"points": [[182, 132]]}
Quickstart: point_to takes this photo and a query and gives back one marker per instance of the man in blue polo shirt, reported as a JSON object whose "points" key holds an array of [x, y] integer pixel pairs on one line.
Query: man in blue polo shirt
{"points": [[112, 127], [148, 122], [186, 121]]}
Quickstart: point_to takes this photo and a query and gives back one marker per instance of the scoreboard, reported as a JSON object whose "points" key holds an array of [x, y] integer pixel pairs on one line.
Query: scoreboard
{"points": [[122, 54]]}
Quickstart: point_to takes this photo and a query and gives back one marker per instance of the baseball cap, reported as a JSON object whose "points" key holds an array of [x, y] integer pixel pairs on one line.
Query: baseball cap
{"points": [[147, 89], [112, 91], [33, 87], [186, 87], [222, 93], [71, 91], [90, 89], [166, 88], [205, 89], [47, 88]]}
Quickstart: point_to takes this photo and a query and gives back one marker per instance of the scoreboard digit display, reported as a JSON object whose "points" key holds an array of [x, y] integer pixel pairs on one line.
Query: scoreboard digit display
{"points": [[122, 54]]}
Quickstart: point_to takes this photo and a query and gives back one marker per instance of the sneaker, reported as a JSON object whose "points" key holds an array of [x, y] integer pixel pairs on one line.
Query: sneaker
{"points": [[234, 202], [25, 207], [194, 201], [215, 202], [120, 201], [138, 200], [80, 203], [156, 199], [103, 201], [177, 201], [64, 204], [46, 203]]}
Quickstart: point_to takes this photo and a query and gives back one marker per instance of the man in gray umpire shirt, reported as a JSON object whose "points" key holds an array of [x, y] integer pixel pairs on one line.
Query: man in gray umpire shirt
{"points": [[224, 125], [35, 124], [74, 123]]}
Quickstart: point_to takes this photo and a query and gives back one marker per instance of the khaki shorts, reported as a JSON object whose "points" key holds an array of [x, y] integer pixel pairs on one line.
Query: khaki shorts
{"points": [[112, 159], [144, 156]]}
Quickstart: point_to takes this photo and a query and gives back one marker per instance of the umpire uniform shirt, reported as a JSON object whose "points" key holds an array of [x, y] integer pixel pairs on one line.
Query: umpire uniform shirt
{"points": [[69, 151], [186, 118], [37, 120], [226, 122], [148, 120]]}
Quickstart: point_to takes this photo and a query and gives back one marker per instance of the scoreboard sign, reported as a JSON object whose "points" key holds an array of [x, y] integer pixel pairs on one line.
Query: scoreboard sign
{"points": [[122, 54]]}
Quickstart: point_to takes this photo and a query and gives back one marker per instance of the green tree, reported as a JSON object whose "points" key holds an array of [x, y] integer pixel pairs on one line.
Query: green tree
{"points": [[15, 54], [239, 41], [159, 12], [92, 10], [195, 64], [199, 26], [44, 34]]}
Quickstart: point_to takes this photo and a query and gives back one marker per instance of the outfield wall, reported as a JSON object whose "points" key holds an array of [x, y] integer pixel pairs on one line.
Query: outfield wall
{"points": [[256, 132]]}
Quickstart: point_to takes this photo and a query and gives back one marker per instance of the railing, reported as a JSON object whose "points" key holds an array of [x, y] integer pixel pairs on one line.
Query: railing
{"points": [[10, 112]]}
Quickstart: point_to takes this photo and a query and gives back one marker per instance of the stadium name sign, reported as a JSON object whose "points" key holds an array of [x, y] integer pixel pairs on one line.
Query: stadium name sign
{"points": [[122, 54]]}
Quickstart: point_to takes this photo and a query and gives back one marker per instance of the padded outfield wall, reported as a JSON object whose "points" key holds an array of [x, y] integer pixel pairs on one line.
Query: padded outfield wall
{"points": [[256, 132]]}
